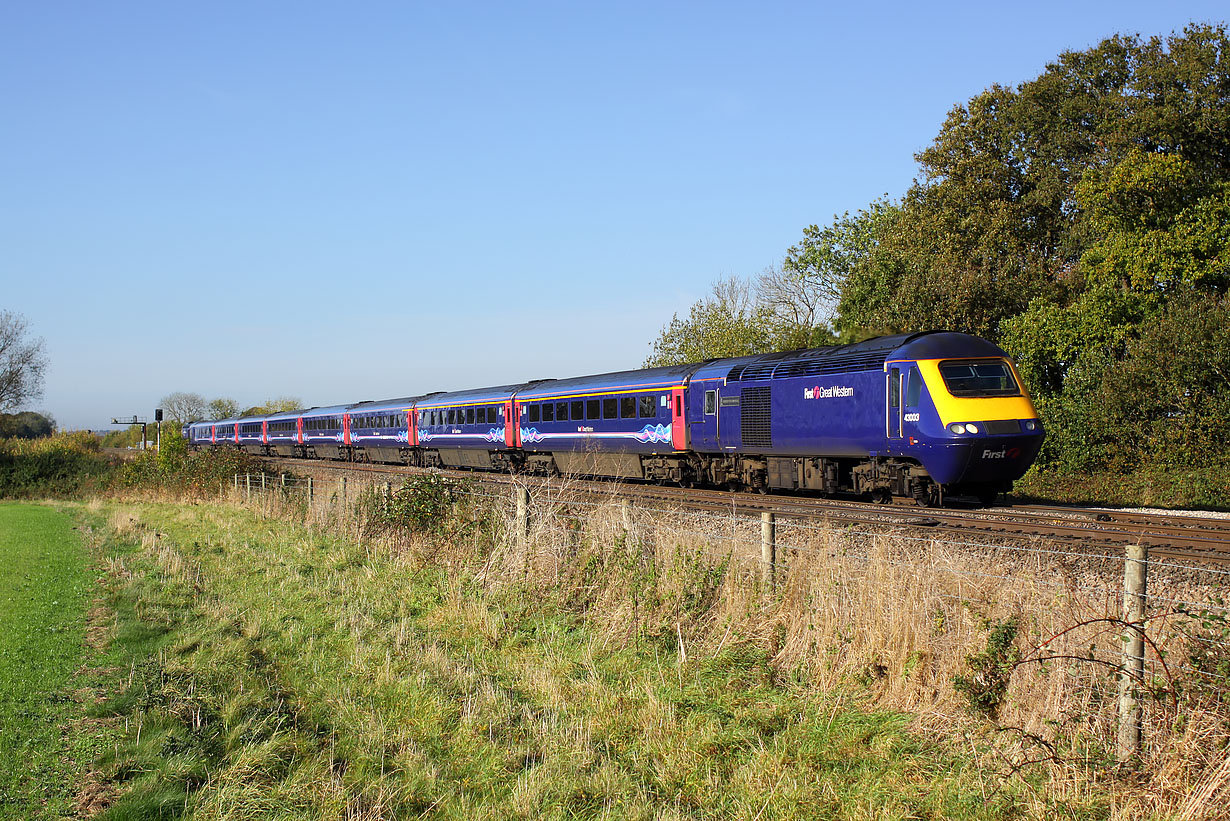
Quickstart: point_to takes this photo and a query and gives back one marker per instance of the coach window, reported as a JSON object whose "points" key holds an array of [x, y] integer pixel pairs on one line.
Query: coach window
{"points": [[710, 403], [627, 407], [532, 413], [610, 408], [648, 409], [592, 409], [469, 416], [578, 411], [561, 412], [451, 419], [548, 412]]}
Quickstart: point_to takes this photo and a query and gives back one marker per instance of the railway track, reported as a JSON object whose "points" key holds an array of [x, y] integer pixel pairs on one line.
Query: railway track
{"points": [[1089, 530]]}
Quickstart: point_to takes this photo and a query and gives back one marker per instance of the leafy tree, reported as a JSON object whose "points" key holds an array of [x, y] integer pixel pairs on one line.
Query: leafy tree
{"points": [[27, 425], [728, 322], [998, 222], [184, 407], [22, 362], [222, 408], [276, 405], [805, 291]]}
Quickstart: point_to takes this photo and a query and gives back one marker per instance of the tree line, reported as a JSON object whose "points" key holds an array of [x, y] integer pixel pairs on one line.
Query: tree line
{"points": [[1081, 220]]}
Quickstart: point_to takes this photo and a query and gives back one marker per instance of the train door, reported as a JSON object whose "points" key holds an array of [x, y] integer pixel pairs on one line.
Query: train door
{"points": [[512, 436], [265, 432], [894, 402], [345, 429], [679, 428], [412, 428], [702, 407]]}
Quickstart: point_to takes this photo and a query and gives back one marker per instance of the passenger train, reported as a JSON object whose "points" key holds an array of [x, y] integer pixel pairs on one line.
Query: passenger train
{"points": [[925, 416]]}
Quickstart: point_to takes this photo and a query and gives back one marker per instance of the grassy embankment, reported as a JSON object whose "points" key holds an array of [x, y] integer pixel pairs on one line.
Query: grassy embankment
{"points": [[314, 677]]}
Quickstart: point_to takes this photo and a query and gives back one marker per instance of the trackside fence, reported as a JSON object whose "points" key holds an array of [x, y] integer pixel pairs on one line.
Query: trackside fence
{"points": [[1060, 646]]}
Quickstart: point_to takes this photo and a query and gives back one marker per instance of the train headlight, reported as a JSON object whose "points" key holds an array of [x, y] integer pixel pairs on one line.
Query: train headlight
{"points": [[957, 427], [970, 427], [1030, 424]]}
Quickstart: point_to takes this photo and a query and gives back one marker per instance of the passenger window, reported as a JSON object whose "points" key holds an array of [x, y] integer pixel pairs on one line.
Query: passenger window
{"points": [[533, 413], [548, 412], [627, 407], [647, 408], [610, 408], [561, 412], [452, 416], [710, 403], [591, 409], [469, 416], [578, 411]]}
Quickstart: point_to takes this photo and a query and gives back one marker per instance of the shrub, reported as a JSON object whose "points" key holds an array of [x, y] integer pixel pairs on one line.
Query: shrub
{"points": [[58, 465]]}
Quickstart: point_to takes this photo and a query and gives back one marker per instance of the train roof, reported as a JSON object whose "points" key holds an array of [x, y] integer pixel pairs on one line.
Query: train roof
{"points": [[642, 378], [401, 403], [331, 410], [498, 393], [870, 354]]}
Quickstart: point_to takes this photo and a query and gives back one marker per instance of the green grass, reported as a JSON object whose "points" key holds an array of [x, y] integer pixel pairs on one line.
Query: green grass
{"points": [[282, 673], [44, 591]]}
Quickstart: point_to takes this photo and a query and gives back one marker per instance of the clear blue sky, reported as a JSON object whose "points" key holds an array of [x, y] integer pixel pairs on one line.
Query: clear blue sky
{"points": [[255, 199]]}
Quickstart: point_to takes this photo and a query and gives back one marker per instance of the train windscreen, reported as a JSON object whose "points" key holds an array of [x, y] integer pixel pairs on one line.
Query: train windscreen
{"points": [[980, 377]]}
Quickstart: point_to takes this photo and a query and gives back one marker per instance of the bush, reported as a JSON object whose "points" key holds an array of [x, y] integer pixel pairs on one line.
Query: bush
{"points": [[177, 469], [426, 503], [59, 465]]}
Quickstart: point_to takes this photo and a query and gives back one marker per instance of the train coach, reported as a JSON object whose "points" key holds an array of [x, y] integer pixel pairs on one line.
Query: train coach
{"points": [[926, 415]]}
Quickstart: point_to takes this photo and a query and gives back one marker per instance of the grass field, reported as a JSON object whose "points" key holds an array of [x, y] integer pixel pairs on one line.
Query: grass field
{"points": [[44, 591], [301, 675]]}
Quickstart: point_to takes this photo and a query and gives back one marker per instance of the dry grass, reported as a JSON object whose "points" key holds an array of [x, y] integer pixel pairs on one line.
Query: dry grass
{"points": [[881, 619]]}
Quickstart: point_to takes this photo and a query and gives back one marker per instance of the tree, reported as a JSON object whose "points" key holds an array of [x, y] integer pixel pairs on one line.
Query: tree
{"points": [[22, 362], [728, 322], [222, 408], [26, 425], [279, 404], [184, 407]]}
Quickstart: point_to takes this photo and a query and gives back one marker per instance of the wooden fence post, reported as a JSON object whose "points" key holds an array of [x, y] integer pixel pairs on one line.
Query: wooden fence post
{"points": [[768, 549], [1135, 586], [343, 493], [311, 493], [247, 487]]}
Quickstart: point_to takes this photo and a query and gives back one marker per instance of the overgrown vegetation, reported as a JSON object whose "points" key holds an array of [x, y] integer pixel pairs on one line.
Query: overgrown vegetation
{"points": [[1081, 221], [64, 464], [317, 676], [180, 471], [381, 654]]}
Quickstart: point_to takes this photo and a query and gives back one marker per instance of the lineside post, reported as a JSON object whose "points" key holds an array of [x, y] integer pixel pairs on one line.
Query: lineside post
{"points": [[247, 487], [768, 550], [311, 493], [1135, 586], [343, 493]]}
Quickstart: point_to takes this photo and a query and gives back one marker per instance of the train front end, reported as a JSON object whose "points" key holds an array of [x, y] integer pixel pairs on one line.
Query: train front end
{"points": [[961, 407]]}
